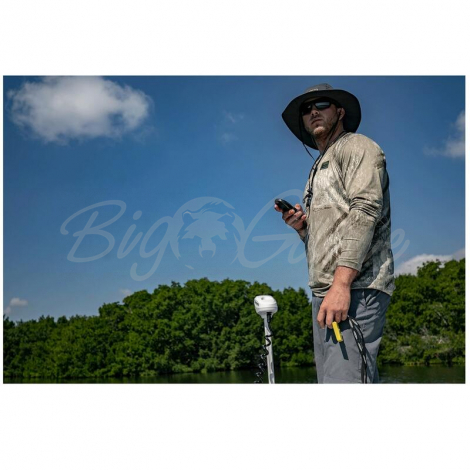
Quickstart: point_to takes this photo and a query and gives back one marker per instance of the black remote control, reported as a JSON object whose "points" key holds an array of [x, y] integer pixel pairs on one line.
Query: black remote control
{"points": [[284, 205]]}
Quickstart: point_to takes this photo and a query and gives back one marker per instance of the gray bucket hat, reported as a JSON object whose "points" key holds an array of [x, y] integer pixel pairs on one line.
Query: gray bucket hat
{"points": [[346, 100]]}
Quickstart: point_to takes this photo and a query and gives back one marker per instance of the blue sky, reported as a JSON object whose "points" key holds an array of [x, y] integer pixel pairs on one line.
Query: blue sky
{"points": [[158, 145]]}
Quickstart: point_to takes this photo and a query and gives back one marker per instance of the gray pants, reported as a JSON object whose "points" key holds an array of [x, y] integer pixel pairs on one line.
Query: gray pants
{"points": [[341, 362]]}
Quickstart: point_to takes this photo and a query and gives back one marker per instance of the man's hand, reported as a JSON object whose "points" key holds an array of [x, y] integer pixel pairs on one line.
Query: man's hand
{"points": [[294, 219], [335, 305]]}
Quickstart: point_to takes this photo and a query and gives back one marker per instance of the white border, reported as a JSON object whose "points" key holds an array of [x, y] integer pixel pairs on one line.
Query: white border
{"points": [[234, 427]]}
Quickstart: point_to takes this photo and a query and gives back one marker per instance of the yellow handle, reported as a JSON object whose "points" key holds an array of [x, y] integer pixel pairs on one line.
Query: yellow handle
{"points": [[338, 335]]}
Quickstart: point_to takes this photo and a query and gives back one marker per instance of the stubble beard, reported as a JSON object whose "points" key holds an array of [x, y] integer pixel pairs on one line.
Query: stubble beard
{"points": [[320, 132]]}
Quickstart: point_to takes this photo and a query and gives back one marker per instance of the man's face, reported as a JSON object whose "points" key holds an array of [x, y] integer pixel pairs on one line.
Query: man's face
{"points": [[319, 122]]}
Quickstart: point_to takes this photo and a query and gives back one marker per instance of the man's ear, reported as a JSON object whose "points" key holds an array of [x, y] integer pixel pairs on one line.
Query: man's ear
{"points": [[342, 112]]}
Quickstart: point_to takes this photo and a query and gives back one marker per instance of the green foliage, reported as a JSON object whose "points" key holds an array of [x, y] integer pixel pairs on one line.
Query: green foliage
{"points": [[201, 326], [426, 317], [208, 326]]}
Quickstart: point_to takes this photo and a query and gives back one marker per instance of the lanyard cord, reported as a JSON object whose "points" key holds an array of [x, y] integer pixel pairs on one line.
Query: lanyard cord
{"points": [[359, 337], [308, 197], [317, 160]]}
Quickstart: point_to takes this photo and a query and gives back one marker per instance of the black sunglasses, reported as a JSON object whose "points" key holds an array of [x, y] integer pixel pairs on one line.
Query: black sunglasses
{"points": [[306, 108]]}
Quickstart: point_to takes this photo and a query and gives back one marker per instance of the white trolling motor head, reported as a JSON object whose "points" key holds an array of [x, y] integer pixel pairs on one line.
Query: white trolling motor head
{"points": [[265, 304]]}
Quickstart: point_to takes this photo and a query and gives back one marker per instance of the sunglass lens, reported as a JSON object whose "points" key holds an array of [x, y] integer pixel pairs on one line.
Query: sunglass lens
{"points": [[322, 104], [307, 108]]}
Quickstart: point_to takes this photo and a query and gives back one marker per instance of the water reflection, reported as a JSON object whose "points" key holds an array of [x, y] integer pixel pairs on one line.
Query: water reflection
{"points": [[293, 375]]}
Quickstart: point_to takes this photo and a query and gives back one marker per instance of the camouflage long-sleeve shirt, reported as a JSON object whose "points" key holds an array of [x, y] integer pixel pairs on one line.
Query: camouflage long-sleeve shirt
{"points": [[349, 216]]}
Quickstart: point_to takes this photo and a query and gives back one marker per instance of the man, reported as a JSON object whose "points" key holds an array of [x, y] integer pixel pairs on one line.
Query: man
{"points": [[346, 231]]}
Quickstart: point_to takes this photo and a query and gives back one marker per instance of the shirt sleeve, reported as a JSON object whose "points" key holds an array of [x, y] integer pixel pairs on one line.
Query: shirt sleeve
{"points": [[363, 170]]}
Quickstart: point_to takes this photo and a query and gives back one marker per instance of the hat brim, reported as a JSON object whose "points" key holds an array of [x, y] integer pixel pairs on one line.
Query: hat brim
{"points": [[348, 101]]}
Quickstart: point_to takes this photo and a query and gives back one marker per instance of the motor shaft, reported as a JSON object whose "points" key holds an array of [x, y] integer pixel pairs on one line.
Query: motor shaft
{"points": [[266, 307], [269, 347]]}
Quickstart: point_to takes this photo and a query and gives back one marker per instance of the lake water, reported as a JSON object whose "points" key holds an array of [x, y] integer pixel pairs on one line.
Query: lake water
{"points": [[293, 375]]}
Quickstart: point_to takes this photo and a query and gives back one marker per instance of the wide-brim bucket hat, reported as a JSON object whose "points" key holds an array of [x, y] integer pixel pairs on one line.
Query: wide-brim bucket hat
{"points": [[346, 100]]}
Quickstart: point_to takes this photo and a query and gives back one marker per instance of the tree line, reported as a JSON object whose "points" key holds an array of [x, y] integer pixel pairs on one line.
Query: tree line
{"points": [[207, 325]]}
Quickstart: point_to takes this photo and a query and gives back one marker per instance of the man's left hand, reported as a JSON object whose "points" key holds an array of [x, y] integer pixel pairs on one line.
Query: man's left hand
{"points": [[335, 306]]}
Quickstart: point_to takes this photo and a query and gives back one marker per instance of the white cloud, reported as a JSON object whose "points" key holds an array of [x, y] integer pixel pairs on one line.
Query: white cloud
{"points": [[228, 137], [15, 302], [454, 145], [228, 125], [411, 266], [125, 292], [57, 109], [233, 117]]}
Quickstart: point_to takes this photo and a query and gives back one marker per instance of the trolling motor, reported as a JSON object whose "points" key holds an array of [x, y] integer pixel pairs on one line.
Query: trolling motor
{"points": [[266, 307]]}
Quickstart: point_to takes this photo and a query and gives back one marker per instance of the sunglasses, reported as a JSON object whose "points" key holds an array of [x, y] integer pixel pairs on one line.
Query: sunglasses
{"points": [[306, 108]]}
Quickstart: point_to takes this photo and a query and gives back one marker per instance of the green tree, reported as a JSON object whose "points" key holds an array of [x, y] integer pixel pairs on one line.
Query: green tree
{"points": [[208, 326]]}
